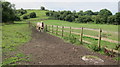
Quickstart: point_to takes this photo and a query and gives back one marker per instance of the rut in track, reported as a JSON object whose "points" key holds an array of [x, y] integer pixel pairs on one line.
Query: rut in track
{"points": [[46, 49]]}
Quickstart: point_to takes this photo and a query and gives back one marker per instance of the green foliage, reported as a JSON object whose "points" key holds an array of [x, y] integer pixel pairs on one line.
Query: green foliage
{"points": [[83, 19], [111, 19], [8, 12], [26, 16], [117, 18], [17, 18], [21, 12], [102, 17], [69, 18], [42, 8], [88, 12], [105, 12], [33, 15], [72, 39], [94, 47]]}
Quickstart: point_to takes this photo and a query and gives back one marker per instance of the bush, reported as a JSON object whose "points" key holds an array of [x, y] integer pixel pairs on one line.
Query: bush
{"points": [[94, 47], [17, 18], [42, 8], [33, 15], [26, 16]]}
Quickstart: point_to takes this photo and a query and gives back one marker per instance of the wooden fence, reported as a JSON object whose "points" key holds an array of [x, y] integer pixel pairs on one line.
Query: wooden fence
{"points": [[52, 29]]}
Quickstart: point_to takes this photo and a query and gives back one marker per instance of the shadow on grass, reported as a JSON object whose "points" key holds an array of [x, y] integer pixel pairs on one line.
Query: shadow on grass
{"points": [[20, 23]]}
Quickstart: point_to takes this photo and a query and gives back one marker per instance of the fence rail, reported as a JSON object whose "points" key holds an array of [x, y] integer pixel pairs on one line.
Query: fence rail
{"points": [[81, 34]]}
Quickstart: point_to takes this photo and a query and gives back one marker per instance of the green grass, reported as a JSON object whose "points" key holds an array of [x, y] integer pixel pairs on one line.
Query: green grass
{"points": [[40, 14], [110, 28], [14, 35]]}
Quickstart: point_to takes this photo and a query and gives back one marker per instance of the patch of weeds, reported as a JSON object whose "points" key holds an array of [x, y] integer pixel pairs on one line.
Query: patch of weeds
{"points": [[94, 47], [13, 60], [72, 39], [109, 53]]}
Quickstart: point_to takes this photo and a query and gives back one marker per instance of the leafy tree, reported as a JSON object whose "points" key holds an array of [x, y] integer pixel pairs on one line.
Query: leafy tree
{"points": [[95, 13], [86, 19], [98, 19], [83, 19], [105, 12], [79, 19], [111, 19], [117, 18], [74, 12], [22, 11], [88, 12], [42, 8], [67, 12], [62, 17], [69, 18], [81, 13], [8, 12]]}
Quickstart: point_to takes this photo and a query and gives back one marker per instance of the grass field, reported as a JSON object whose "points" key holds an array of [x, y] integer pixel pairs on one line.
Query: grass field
{"points": [[14, 35]]}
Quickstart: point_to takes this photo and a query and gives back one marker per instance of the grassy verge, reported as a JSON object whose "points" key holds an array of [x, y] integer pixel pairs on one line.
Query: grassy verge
{"points": [[14, 35]]}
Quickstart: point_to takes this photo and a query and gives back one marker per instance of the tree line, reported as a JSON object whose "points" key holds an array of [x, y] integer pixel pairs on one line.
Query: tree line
{"points": [[104, 16]]}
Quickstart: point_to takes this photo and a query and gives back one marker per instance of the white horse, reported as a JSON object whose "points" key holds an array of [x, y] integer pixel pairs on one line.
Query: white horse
{"points": [[40, 26]]}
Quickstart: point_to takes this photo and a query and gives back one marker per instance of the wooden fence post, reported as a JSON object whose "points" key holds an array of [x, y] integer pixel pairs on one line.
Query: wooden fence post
{"points": [[52, 28], [57, 30], [62, 30], [70, 30], [99, 40], [46, 28], [29, 23], [81, 35], [49, 28]]}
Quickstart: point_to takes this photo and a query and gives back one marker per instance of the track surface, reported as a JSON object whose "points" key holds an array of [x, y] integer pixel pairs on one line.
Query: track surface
{"points": [[46, 49]]}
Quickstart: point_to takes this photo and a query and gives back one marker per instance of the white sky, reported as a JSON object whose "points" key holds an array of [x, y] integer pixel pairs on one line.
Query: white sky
{"points": [[35, 4], [13, 1]]}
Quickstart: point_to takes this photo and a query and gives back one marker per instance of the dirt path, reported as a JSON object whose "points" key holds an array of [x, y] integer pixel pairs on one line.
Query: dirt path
{"points": [[50, 50]]}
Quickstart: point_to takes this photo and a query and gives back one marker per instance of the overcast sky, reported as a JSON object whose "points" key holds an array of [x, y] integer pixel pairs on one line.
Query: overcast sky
{"points": [[77, 5], [13, 1]]}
